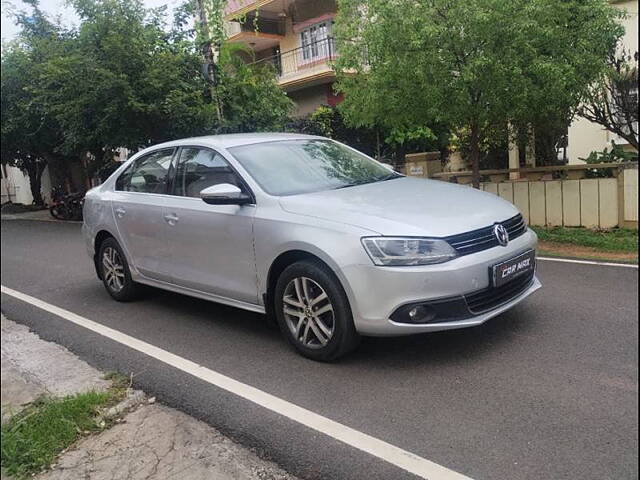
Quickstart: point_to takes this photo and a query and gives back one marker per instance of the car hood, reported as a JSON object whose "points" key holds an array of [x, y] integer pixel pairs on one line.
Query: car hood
{"points": [[405, 206]]}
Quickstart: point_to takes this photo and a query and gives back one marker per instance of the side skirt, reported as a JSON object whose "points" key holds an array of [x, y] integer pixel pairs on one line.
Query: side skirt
{"points": [[199, 294]]}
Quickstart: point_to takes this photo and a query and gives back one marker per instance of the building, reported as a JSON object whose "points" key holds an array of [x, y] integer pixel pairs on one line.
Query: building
{"points": [[585, 137], [15, 186], [295, 36]]}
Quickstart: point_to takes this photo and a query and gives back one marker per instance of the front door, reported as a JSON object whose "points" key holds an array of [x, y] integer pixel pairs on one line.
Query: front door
{"points": [[137, 203], [210, 246]]}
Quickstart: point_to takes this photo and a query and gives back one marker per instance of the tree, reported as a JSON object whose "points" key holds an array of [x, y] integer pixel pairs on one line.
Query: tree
{"points": [[381, 143], [250, 98], [123, 78], [470, 65], [123, 83], [30, 135], [210, 36], [612, 101], [130, 82]]}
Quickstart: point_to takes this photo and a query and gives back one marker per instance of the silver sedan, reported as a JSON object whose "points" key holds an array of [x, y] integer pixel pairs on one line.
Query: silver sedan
{"points": [[325, 240]]}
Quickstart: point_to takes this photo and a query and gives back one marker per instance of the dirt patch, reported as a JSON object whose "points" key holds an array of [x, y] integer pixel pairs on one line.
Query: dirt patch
{"points": [[576, 251]]}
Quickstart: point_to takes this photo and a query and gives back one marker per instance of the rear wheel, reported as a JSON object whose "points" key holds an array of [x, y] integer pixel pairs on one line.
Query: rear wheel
{"points": [[313, 311], [115, 273]]}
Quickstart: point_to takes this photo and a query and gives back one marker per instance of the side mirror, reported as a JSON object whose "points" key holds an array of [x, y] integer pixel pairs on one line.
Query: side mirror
{"points": [[224, 194]]}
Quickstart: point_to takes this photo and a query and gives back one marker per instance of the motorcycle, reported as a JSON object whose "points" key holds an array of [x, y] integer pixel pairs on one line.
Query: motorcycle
{"points": [[66, 206]]}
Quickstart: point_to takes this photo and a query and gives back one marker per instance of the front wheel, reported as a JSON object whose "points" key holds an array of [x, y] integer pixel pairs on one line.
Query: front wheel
{"points": [[313, 311], [58, 211], [115, 273]]}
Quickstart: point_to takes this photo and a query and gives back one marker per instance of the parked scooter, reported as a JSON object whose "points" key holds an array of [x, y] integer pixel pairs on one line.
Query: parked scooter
{"points": [[66, 206]]}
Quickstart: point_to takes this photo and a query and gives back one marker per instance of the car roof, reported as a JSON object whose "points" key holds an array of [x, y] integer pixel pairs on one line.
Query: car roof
{"points": [[237, 139]]}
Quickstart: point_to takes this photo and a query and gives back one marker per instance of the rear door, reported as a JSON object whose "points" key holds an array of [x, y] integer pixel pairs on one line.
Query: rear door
{"points": [[137, 204], [211, 246]]}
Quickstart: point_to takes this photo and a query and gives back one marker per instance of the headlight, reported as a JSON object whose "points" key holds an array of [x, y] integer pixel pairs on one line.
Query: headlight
{"points": [[395, 251]]}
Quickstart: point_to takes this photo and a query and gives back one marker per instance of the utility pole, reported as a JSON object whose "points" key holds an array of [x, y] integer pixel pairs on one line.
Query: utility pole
{"points": [[209, 65]]}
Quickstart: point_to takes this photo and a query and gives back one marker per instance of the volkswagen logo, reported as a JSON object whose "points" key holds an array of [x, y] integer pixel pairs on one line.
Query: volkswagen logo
{"points": [[501, 234]]}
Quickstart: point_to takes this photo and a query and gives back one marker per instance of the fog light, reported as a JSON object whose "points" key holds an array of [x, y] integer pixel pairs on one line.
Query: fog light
{"points": [[420, 314], [448, 309], [416, 313]]}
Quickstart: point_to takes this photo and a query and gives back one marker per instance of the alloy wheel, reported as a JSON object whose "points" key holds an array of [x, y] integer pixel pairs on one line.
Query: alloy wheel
{"points": [[308, 312], [113, 269]]}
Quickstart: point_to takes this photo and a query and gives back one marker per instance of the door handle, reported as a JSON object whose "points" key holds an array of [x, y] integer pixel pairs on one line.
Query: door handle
{"points": [[120, 212], [171, 218]]}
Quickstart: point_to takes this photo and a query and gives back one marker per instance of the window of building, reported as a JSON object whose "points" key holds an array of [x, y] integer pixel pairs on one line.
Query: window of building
{"points": [[316, 41]]}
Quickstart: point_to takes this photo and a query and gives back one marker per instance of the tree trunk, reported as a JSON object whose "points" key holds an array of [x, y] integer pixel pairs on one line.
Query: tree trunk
{"points": [[58, 169], [400, 154], [35, 171], [475, 154], [209, 60]]}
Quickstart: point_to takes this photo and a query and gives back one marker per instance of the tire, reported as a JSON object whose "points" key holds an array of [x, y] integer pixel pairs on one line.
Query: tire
{"points": [[58, 212], [118, 280], [313, 311]]}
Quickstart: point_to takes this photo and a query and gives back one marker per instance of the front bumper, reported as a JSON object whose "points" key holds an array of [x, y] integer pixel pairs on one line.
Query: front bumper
{"points": [[376, 292]]}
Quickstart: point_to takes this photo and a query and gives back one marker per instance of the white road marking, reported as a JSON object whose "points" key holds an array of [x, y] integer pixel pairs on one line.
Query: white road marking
{"points": [[390, 453], [587, 262]]}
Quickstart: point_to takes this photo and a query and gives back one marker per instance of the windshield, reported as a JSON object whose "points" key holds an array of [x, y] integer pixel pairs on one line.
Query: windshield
{"points": [[302, 166]]}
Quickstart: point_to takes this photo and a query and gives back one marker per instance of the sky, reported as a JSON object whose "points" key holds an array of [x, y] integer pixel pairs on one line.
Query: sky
{"points": [[56, 8]]}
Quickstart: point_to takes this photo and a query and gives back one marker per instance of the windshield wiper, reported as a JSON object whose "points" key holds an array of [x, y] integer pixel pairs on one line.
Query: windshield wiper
{"points": [[391, 176], [347, 185]]}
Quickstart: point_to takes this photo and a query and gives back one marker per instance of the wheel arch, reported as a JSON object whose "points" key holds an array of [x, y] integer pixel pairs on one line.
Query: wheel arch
{"points": [[289, 257], [100, 237]]}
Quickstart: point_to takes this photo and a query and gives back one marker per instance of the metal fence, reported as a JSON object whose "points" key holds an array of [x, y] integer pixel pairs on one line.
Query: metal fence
{"points": [[302, 58]]}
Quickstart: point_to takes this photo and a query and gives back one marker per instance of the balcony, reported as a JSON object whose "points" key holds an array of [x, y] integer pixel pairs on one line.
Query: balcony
{"points": [[237, 8], [257, 33], [303, 66]]}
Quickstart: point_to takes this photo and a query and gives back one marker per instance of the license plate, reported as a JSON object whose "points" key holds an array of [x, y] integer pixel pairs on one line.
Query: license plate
{"points": [[507, 271]]}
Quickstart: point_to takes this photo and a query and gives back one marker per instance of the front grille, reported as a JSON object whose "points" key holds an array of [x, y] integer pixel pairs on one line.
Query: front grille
{"points": [[490, 298], [484, 238]]}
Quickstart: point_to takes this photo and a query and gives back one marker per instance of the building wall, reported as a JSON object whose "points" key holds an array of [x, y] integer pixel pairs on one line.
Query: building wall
{"points": [[310, 98], [586, 137], [309, 85], [15, 186]]}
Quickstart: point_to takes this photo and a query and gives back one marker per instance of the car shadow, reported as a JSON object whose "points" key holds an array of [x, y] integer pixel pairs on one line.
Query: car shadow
{"points": [[453, 346], [196, 309]]}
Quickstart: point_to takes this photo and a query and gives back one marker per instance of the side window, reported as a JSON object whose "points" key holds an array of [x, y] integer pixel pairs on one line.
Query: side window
{"points": [[199, 168], [148, 174]]}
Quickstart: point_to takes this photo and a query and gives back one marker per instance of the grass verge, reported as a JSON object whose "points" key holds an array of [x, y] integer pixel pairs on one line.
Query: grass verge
{"points": [[614, 240], [584, 253], [32, 439]]}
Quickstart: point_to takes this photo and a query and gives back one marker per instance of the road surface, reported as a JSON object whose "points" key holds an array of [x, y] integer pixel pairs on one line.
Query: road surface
{"points": [[548, 390]]}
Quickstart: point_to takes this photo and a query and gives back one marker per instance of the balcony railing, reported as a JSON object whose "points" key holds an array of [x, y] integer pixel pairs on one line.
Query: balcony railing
{"points": [[306, 58]]}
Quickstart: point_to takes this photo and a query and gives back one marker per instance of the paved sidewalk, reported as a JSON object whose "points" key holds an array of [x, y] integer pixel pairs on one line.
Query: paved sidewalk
{"points": [[32, 367], [150, 442], [42, 215]]}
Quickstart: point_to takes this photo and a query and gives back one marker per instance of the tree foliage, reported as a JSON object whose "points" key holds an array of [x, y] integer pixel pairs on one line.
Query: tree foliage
{"points": [[30, 135], [612, 102], [389, 145], [123, 78], [470, 65], [251, 100]]}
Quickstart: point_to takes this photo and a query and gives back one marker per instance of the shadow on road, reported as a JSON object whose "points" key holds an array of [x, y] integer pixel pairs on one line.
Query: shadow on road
{"points": [[454, 346]]}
